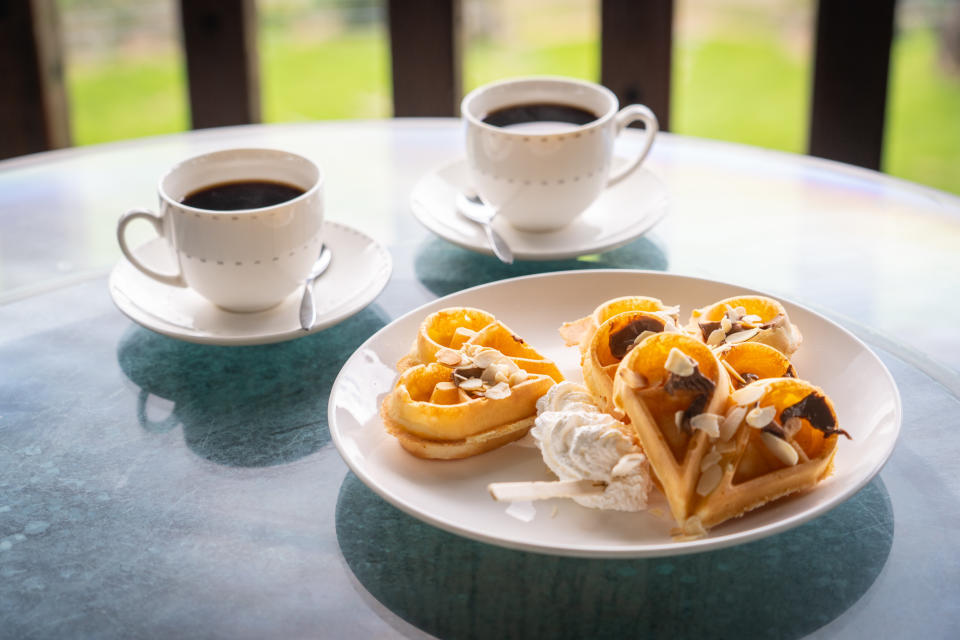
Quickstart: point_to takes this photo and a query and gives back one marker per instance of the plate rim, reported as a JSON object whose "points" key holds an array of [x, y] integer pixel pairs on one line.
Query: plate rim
{"points": [[376, 284], [671, 548], [628, 234]]}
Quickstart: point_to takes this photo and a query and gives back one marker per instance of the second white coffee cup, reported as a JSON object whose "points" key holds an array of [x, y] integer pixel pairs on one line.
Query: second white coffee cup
{"points": [[540, 149], [243, 251]]}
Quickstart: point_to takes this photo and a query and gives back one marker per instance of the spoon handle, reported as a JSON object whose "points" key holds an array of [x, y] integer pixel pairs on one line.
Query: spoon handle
{"points": [[308, 311], [500, 247]]}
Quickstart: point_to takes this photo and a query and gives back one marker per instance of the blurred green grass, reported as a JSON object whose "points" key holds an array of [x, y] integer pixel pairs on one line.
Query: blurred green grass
{"points": [[748, 90]]}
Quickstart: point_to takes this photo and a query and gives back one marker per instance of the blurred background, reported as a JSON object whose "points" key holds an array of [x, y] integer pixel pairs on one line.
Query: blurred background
{"points": [[329, 59]]}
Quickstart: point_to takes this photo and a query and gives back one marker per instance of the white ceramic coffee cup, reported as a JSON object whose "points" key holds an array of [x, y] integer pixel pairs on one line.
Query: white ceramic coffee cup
{"points": [[543, 175], [240, 260]]}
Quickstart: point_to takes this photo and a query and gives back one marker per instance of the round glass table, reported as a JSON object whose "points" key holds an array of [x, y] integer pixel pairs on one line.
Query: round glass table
{"points": [[153, 486]]}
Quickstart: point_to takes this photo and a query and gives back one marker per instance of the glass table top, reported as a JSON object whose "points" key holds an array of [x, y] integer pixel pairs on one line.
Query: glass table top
{"points": [[154, 487]]}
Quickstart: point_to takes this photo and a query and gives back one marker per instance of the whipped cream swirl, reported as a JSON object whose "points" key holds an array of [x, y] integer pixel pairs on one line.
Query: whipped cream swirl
{"points": [[580, 442]]}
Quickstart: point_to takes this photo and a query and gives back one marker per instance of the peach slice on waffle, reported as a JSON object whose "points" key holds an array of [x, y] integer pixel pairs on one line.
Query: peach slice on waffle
{"points": [[497, 335], [579, 332], [447, 410], [778, 437], [610, 344], [743, 319], [673, 391], [747, 362]]}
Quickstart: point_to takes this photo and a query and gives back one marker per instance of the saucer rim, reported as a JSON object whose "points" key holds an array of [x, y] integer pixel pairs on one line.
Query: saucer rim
{"points": [[435, 223], [374, 285]]}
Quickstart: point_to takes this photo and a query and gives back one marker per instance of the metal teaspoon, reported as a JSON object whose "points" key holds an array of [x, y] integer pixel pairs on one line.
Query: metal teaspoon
{"points": [[473, 208], [308, 309]]}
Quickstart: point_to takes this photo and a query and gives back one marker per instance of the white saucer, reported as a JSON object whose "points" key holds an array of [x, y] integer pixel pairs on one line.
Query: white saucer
{"points": [[358, 272], [621, 213]]}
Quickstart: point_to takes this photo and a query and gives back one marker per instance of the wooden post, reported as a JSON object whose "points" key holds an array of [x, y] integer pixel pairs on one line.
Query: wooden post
{"points": [[33, 102], [636, 53], [220, 43], [426, 60], [852, 60]]}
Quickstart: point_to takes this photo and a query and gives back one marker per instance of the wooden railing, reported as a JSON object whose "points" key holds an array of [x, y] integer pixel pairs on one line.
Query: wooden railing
{"points": [[852, 53]]}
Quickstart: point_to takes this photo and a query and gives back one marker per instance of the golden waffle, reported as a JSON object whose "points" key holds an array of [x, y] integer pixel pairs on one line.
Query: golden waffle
{"points": [[447, 328], [447, 412], [782, 438], [747, 362], [579, 332], [666, 386], [497, 335], [610, 343], [746, 318]]}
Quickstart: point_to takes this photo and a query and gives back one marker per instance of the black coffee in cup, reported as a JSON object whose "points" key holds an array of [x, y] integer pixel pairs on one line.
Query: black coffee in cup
{"points": [[533, 114], [243, 194]]}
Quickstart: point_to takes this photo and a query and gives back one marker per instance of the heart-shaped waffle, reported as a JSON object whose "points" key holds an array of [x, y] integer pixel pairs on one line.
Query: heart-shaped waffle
{"points": [[609, 345], [579, 332], [778, 437], [448, 328], [746, 318], [443, 411], [747, 362], [673, 389]]}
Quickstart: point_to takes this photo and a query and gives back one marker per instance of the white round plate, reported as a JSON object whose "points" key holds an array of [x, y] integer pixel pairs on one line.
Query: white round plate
{"points": [[453, 495], [622, 213], [358, 272]]}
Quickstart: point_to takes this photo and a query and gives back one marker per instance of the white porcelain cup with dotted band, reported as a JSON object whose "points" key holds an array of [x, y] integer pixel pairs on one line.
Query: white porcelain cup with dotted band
{"points": [[241, 260], [541, 175]]}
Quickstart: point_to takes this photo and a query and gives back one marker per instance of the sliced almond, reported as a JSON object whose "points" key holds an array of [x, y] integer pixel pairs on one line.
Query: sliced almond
{"points": [[752, 319], [633, 379], [464, 332], [471, 384], [710, 460], [748, 394], [709, 480], [498, 391], [709, 423], [780, 448], [731, 422], [643, 336], [759, 417], [742, 336], [517, 377], [726, 447], [679, 363], [716, 337], [449, 357], [791, 426], [725, 323], [734, 374]]}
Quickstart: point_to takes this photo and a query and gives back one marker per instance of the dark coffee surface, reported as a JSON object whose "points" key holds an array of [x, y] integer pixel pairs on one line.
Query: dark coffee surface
{"points": [[248, 194], [539, 112]]}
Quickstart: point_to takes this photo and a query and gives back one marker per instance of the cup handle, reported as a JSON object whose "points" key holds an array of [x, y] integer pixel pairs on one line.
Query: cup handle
{"points": [[174, 279], [624, 117]]}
